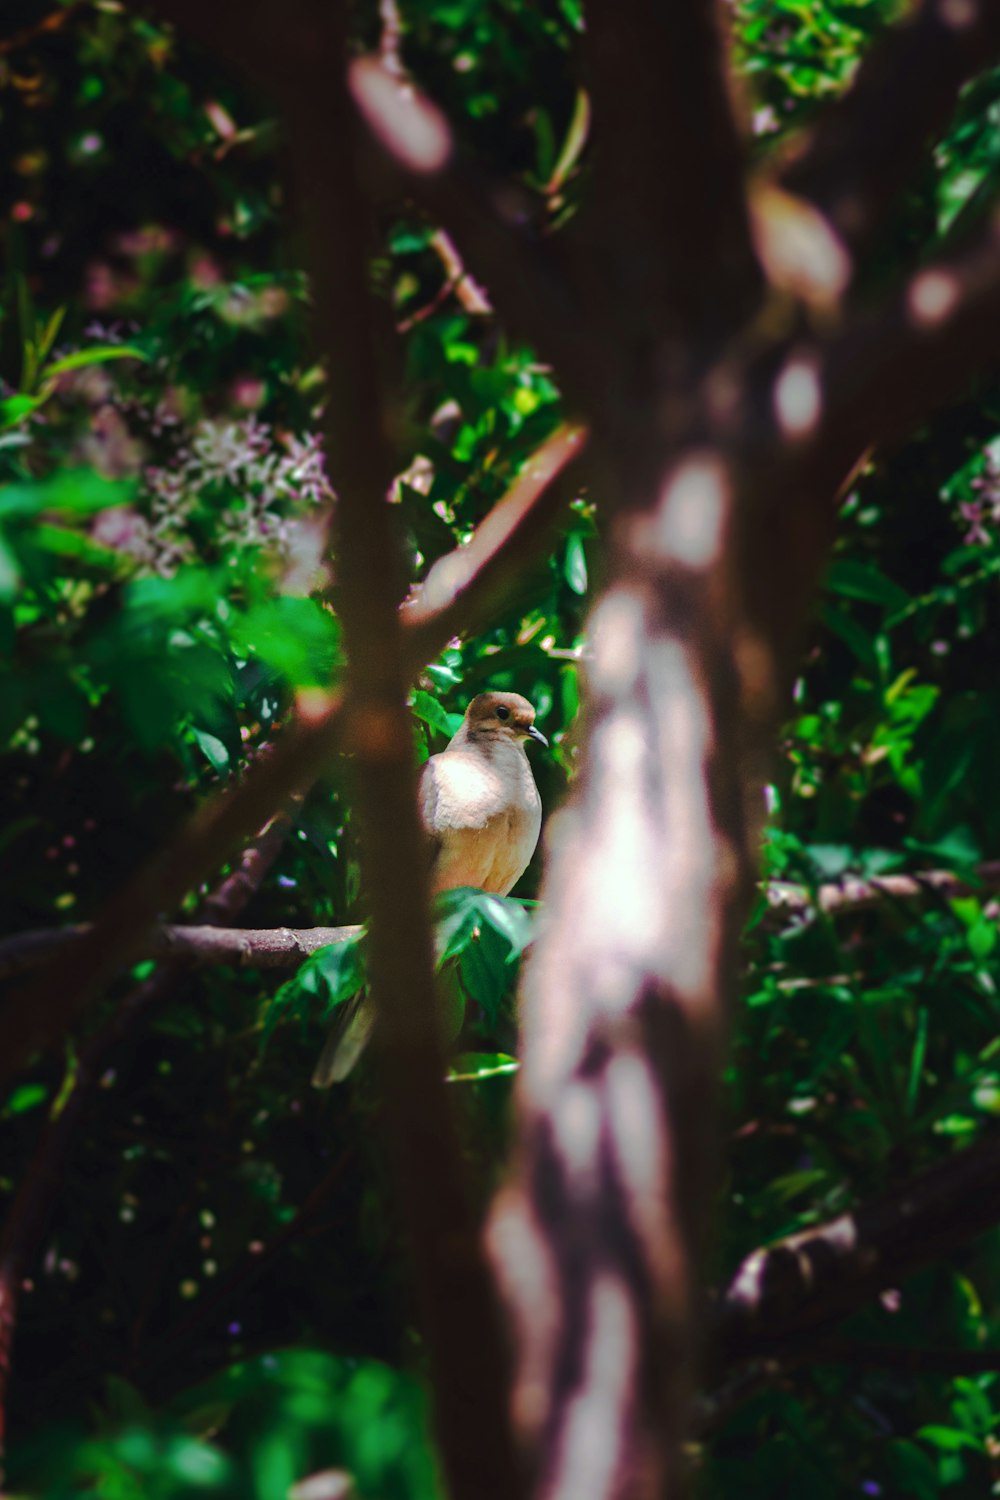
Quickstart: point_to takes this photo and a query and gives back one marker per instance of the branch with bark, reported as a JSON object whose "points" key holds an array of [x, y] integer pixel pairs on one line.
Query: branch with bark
{"points": [[245, 947], [782, 1294], [287, 947]]}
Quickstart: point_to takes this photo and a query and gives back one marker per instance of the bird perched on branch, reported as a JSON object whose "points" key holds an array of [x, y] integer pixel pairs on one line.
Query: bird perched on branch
{"points": [[482, 813]]}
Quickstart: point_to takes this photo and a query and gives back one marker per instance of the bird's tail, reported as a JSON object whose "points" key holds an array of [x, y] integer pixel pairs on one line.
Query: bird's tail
{"points": [[347, 1039]]}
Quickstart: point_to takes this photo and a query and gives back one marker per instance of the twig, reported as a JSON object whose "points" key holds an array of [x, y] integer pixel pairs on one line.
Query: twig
{"points": [[459, 283], [471, 579], [391, 38], [471, 296], [54, 21], [887, 367]]}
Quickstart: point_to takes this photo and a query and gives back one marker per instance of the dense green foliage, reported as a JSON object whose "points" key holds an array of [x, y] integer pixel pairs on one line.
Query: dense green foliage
{"points": [[163, 597]]}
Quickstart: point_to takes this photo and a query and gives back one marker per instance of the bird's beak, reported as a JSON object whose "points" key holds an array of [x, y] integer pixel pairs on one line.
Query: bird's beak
{"points": [[536, 734]]}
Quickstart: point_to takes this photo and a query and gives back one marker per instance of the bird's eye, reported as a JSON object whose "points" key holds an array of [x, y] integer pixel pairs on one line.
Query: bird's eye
{"points": [[503, 713]]}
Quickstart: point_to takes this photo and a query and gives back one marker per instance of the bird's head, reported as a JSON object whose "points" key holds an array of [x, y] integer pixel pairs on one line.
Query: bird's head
{"points": [[502, 716]]}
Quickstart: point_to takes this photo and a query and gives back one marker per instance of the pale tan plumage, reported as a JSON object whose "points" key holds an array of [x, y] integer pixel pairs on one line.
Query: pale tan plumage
{"points": [[482, 812]]}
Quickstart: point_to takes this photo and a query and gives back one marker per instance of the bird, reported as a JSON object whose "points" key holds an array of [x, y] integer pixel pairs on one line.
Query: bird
{"points": [[482, 815]]}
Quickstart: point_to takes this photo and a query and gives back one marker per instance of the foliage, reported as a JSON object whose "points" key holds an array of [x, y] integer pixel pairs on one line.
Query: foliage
{"points": [[164, 598]]}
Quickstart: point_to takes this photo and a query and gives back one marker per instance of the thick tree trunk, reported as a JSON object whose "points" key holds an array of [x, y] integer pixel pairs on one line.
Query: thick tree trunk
{"points": [[600, 1238]]}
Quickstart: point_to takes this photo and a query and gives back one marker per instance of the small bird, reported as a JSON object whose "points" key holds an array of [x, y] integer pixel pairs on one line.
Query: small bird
{"points": [[482, 813]]}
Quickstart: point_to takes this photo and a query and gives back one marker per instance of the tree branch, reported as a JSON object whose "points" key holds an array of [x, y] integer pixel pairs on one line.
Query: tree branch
{"points": [[286, 947], [851, 894], [780, 1294], [466, 584], [246, 947], [668, 213], [862, 153]]}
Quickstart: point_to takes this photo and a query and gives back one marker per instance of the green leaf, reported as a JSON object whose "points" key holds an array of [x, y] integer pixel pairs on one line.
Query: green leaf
{"points": [[456, 914], [914, 1472], [486, 975], [332, 975], [862, 580], [509, 918], [26, 1096], [213, 749], [470, 1067], [575, 564], [854, 635], [298, 638], [430, 711], [16, 408], [341, 967], [100, 355], [950, 1439], [73, 491]]}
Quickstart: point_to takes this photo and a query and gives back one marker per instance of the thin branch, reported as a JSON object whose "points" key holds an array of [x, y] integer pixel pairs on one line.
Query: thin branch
{"points": [[865, 148], [46, 1009], [459, 284], [842, 897], [812, 418], [669, 210], [245, 947], [54, 21], [471, 296], [782, 1292], [391, 39], [286, 947], [468, 581]]}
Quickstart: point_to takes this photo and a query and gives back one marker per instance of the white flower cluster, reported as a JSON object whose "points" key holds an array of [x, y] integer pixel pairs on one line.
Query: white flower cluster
{"points": [[258, 482]]}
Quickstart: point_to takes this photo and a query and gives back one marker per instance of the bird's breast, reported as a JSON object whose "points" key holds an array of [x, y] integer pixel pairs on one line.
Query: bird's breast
{"points": [[486, 817]]}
